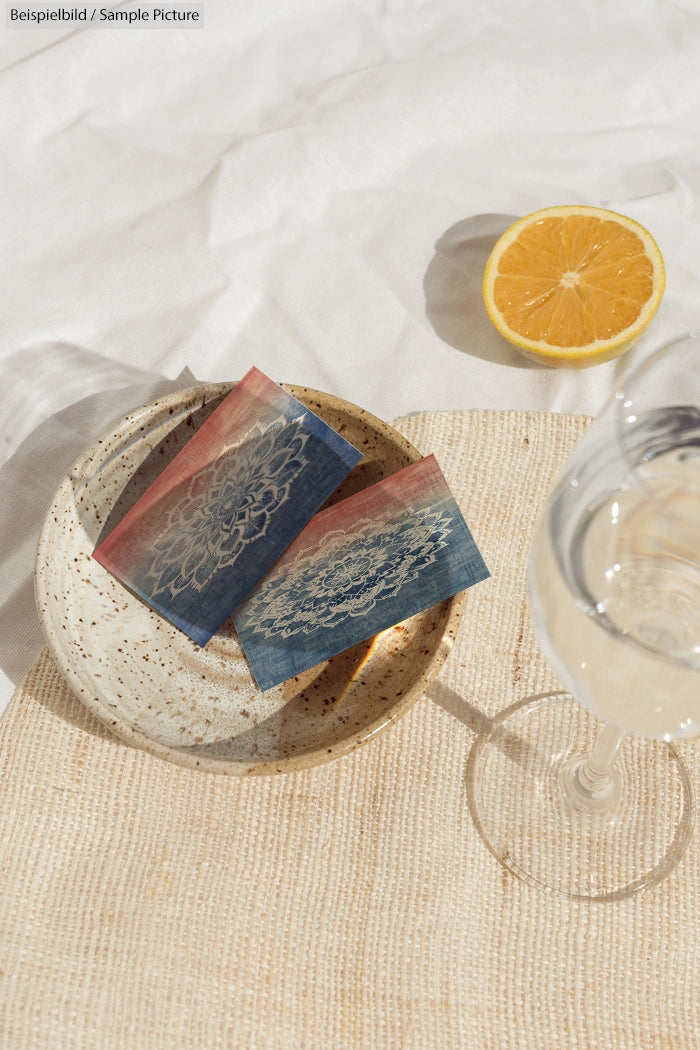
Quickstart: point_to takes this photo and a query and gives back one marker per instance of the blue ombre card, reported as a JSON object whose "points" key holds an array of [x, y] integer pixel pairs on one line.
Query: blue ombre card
{"points": [[358, 568], [227, 506]]}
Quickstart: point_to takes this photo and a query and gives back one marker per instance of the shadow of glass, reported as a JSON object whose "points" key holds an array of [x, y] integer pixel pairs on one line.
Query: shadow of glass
{"points": [[452, 289], [28, 481], [515, 749], [490, 732]]}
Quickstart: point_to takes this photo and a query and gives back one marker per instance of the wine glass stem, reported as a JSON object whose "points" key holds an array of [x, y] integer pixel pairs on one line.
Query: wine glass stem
{"points": [[589, 781], [595, 770]]}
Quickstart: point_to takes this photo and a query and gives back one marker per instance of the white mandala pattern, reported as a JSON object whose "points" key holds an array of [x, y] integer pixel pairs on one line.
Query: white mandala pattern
{"points": [[347, 574], [227, 506]]}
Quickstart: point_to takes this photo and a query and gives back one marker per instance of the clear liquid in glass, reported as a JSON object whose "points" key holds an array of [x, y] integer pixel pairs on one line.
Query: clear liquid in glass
{"points": [[615, 577]]}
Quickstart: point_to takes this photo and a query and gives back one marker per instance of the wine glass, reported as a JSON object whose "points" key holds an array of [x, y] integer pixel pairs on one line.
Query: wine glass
{"points": [[585, 792]]}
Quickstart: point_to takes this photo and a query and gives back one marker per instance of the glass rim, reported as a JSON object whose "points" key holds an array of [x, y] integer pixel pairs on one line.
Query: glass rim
{"points": [[626, 419]]}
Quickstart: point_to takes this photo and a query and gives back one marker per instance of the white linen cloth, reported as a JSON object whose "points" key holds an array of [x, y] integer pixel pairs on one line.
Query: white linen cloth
{"points": [[312, 187]]}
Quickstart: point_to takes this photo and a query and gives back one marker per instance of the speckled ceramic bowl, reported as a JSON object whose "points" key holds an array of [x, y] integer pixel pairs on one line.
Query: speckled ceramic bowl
{"points": [[200, 708]]}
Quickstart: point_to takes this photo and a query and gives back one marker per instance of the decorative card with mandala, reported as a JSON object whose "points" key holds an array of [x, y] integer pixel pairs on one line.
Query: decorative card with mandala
{"points": [[230, 502], [358, 568]]}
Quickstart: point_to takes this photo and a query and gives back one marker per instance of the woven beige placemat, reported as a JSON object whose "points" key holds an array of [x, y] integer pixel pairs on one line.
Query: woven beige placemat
{"points": [[143, 905]]}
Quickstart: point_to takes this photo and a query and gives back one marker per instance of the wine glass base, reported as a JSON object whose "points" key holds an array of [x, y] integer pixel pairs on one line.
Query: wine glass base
{"points": [[624, 844]]}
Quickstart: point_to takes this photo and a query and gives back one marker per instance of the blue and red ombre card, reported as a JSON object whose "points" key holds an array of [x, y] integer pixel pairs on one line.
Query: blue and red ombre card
{"points": [[227, 506], [359, 567]]}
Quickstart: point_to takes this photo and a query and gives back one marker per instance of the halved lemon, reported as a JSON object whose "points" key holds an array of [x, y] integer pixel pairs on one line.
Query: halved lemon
{"points": [[573, 285]]}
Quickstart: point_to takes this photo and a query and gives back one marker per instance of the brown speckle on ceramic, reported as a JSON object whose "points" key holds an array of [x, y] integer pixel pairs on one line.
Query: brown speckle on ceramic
{"points": [[199, 707]]}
